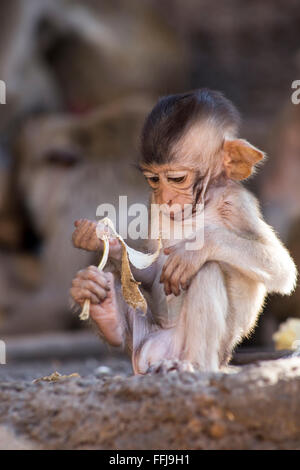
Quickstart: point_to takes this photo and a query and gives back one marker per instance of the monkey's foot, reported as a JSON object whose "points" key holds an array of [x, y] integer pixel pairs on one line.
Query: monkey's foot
{"points": [[170, 365]]}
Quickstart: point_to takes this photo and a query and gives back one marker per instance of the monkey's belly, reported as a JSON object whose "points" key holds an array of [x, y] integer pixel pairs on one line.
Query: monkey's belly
{"points": [[165, 309]]}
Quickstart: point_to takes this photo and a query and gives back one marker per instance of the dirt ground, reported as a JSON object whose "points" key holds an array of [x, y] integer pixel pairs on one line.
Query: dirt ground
{"points": [[251, 406]]}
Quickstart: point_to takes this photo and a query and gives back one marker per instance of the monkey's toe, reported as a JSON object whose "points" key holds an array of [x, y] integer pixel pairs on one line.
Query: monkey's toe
{"points": [[170, 365]]}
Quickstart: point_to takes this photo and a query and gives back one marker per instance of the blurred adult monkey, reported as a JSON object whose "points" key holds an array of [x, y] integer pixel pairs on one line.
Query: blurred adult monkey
{"points": [[191, 154], [67, 166]]}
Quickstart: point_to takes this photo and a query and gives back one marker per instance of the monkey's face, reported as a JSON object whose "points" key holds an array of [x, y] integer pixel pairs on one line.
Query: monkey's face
{"points": [[172, 187]]}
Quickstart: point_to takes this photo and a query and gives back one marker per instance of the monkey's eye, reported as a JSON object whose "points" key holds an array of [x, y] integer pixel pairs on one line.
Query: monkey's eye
{"points": [[152, 179], [179, 179], [62, 158]]}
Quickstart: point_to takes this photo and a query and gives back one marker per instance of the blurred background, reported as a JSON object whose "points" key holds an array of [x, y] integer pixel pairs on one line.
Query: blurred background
{"points": [[80, 78]]}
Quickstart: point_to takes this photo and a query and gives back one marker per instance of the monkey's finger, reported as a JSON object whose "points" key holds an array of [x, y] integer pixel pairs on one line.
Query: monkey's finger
{"points": [[83, 231], [185, 280], [80, 295], [74, 238], [175, 290], [93, 287], [92, 227], [93, 273], [79, 233], [89, 273], [78, 222], [165, 267], [167, 288], [169, 250], [186, 277], [168, 269], [74, 292], [185, 284], [111, 293], [91, 236], [175, 281]]}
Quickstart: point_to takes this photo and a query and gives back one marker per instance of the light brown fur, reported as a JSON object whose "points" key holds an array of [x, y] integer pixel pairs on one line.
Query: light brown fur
{"points": [[203, 301]]}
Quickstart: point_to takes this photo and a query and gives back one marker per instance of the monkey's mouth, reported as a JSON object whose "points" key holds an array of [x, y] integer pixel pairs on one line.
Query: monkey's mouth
{"points": [[183, 214], [179, 215], [173, 215]]}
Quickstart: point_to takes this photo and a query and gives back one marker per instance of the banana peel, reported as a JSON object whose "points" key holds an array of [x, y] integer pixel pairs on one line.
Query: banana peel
{"points": [[55, 377], [130, 287]]}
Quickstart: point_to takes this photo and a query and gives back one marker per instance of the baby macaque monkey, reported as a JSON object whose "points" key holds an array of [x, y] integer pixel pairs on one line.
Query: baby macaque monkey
{"points": [[201, 301]]}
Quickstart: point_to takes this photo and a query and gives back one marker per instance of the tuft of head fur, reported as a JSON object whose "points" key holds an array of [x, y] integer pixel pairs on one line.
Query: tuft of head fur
{"points": [[183, 127]]}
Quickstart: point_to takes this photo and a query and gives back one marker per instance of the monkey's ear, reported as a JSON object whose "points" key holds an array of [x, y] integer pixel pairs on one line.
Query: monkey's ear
{"points": [[240, 158]]}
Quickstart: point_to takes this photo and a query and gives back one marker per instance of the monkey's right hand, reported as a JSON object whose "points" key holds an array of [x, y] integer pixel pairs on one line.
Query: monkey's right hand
{"points": [[85, 237], [98, 287], [92, 284]]}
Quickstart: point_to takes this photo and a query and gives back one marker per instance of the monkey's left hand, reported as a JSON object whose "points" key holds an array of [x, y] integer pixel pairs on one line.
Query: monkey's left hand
{"points": [[180, 267]]}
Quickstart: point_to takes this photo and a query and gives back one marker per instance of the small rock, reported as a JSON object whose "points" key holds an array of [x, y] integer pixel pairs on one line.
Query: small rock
{"points": [[217, 430], [102, 370]]}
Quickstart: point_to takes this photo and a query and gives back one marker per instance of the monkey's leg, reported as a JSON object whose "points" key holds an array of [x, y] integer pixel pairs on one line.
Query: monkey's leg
{"points": [[196, 339], [141, 331], [169, 365], [201, 327], [246, 302], [153, 348]]}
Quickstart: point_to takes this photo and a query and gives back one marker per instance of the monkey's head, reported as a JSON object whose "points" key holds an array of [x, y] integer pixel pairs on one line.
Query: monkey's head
{"points": [[190, 140]]}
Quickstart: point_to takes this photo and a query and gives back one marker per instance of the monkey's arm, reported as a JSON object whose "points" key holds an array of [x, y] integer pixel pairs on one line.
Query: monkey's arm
{"points": [[238, 236], [99, 288], [85, 237], [246, 242], [260, 256]]}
